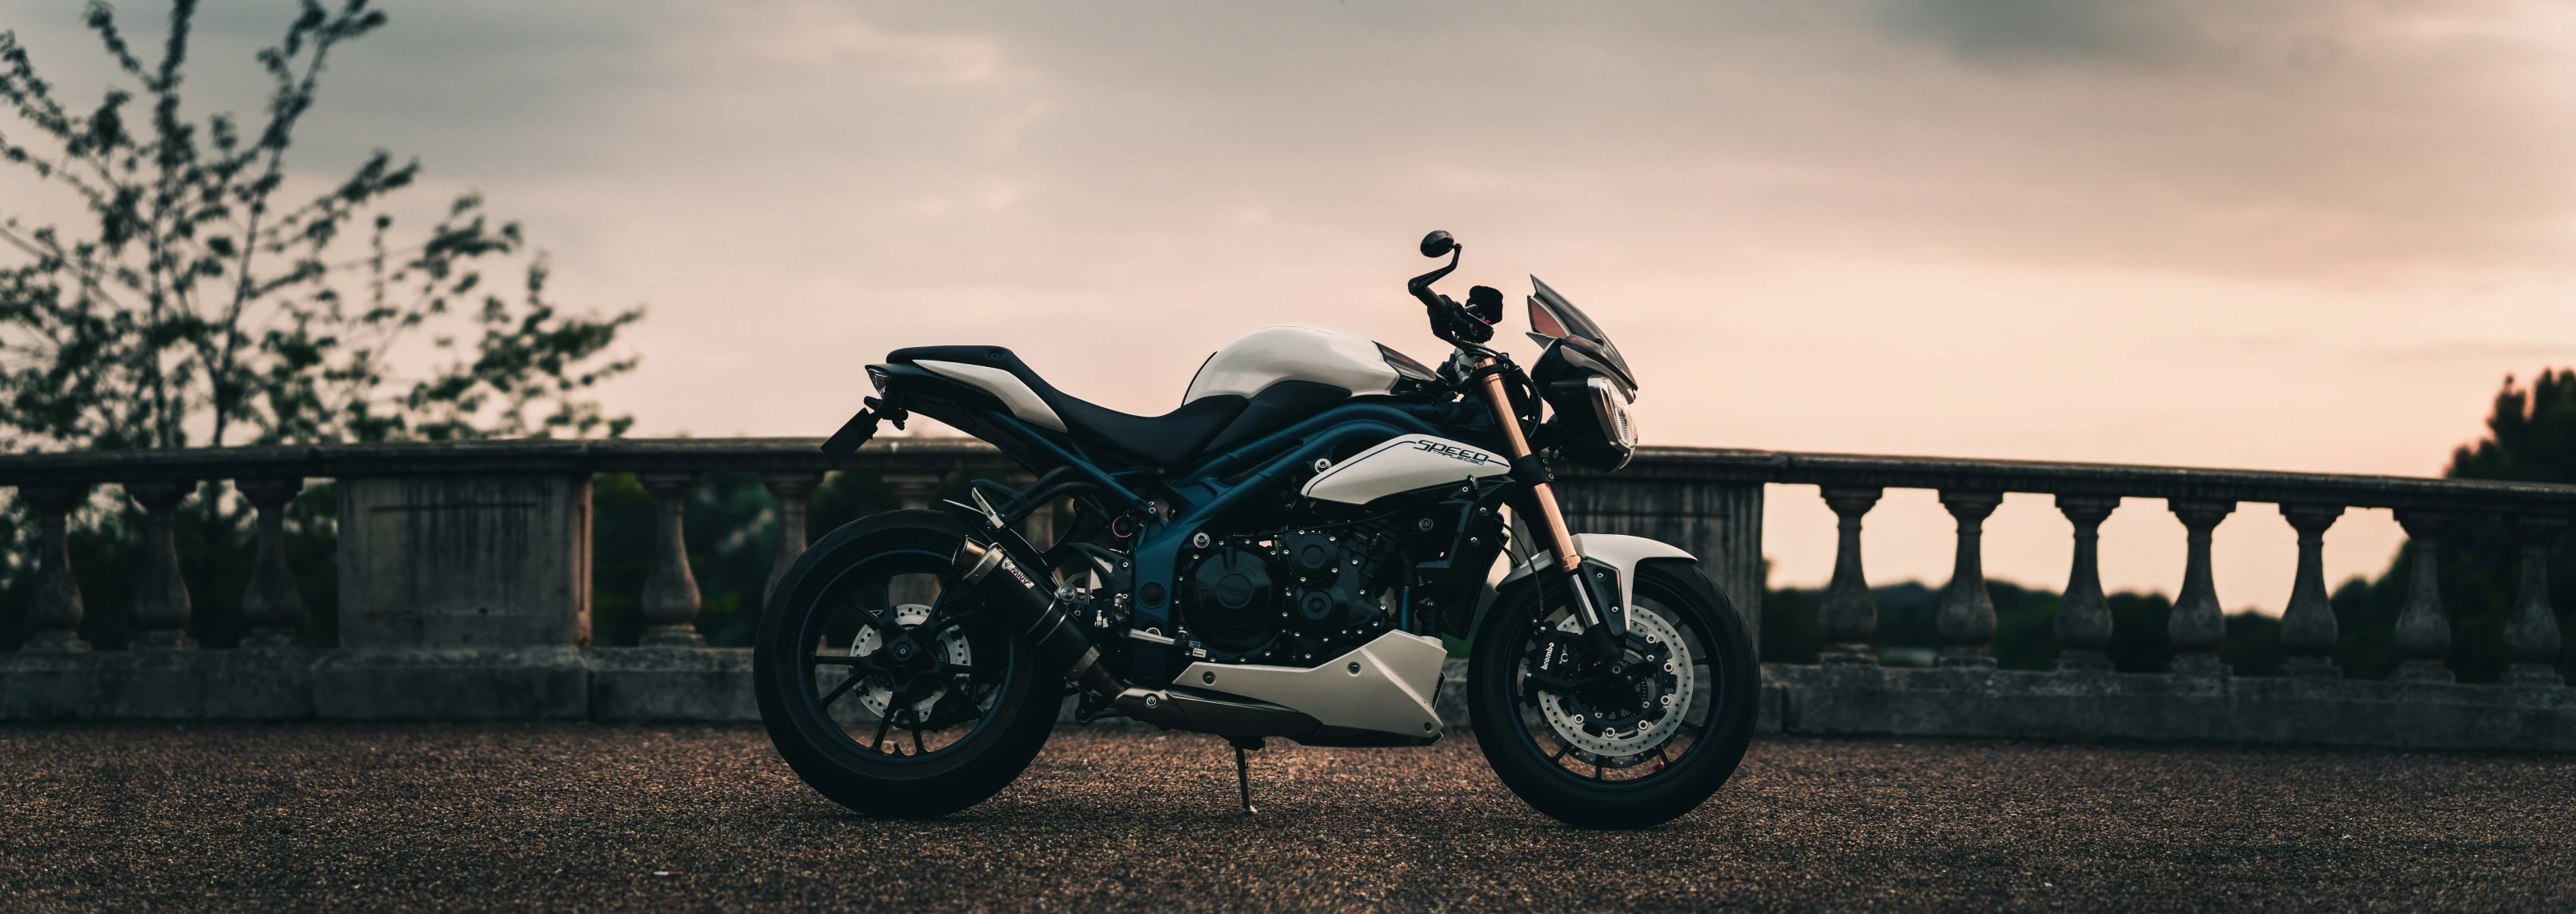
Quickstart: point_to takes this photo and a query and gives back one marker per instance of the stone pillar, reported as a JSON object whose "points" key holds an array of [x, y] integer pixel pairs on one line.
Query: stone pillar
{"points": [[2531, 637], [1967, 615], [2308, 624], [1718, 522], [913, 491], [2198, 625], [2423, 631], [449, 562], [56, 613], [670, 599], [161, 604], [461, 597], [2084, 617], [271, 604], [1846, 612], [792, 490]]}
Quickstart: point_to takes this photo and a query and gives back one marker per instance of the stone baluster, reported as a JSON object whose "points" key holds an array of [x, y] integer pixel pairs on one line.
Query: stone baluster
{"points": [[1846, 612], [56, 614], [161, 605], [1967, 614], [2308, 628], [2198, 625], [792, 490], [2423, 631], [271, 605], [670, 599], [2083, 624], [2531, 636], [913, 491]]}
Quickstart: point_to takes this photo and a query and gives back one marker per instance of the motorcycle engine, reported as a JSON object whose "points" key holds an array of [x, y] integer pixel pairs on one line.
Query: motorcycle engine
{"points": [[1292, 598]]}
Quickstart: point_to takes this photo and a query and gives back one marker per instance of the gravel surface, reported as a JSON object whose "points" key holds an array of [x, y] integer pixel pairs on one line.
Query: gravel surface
{"points": [[443, 817]]}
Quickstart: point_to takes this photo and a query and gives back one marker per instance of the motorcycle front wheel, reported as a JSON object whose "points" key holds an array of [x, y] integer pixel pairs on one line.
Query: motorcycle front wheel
{"points": [[1632, 742], [885, 684]]}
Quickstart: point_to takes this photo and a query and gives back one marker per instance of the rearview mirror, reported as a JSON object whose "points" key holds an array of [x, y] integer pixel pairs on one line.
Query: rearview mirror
{"points": [[1438, 243]]}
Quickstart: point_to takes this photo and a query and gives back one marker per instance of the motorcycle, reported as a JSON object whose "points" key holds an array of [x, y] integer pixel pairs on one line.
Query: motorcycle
{"points": [[1279, 557]]}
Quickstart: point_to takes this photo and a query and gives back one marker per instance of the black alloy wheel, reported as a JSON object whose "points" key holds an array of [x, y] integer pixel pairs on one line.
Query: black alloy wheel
{"points": [[1628, 742], [884, 682]]}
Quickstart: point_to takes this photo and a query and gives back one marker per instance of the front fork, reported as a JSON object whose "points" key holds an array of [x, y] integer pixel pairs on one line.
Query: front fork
{"points": [[1594, 598]]}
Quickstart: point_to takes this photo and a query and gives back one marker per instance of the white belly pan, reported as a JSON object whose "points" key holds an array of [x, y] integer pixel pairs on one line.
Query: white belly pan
{"points": [[1385, 686], [1402, 465]]}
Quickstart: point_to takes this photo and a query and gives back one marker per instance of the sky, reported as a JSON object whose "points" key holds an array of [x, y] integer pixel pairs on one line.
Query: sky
{"points": [[2310, 235]]}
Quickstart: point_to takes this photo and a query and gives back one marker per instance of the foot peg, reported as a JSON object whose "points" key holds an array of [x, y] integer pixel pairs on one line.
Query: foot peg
{"points": [[1243, 769]]}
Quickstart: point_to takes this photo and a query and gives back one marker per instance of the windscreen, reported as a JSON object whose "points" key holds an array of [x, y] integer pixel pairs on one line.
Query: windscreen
{"points": [[1553, 317]]}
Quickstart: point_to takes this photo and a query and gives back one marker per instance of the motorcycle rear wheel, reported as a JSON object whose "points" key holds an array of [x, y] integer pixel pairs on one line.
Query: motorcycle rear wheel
{"points": [[874, 647], [1618, 753]]}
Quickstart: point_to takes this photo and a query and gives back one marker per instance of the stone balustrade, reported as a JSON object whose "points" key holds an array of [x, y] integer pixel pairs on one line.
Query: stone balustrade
{"points": [[465, 592], [1848, 692]]}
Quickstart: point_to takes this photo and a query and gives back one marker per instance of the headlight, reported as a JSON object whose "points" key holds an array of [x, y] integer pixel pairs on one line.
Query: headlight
{"points": [[1609, 404]]}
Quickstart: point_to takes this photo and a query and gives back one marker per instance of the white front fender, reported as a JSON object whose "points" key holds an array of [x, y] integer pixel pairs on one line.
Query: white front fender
{"points": [[1616, 550]]}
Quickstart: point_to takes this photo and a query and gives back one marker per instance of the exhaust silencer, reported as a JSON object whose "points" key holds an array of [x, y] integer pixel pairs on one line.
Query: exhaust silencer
{"points": [[1030, 609]]}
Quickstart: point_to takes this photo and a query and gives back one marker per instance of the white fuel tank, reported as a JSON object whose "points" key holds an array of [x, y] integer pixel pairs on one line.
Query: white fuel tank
{"points": [[1404, 464], [1295, 352]]}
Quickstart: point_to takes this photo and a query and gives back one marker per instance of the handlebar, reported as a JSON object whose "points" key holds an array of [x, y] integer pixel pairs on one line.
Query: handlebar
{"points": [[1456, 324]]}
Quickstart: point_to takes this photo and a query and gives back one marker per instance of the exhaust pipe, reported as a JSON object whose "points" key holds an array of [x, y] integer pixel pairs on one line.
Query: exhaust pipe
{"points": [[1032, 612]]}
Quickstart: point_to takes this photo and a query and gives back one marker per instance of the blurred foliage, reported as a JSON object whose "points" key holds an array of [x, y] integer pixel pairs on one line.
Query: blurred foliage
{"points": [[199, 304], [198, 299], [2531, 437]]}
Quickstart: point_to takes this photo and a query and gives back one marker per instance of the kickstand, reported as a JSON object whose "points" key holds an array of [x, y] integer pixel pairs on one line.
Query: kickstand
{"points": [[1243, 769]]}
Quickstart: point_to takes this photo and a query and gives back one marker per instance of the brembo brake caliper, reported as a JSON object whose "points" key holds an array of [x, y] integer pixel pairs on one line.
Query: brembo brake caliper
{"points": [[1607, 642], [1593, 587]]}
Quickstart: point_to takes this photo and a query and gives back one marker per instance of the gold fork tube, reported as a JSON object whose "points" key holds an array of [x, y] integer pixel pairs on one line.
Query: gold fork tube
{"points": [[1551, 519]]}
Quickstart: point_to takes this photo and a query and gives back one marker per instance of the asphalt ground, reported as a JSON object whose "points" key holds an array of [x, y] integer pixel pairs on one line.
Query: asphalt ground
{"points": [[588, 817]]}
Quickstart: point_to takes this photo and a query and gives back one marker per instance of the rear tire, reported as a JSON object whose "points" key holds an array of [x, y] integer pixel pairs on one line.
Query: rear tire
{"points": [[846, 610], [1631, 768]]}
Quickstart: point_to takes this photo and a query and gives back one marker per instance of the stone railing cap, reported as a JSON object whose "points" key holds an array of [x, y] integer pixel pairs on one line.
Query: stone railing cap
{"points": [[943, 454]]}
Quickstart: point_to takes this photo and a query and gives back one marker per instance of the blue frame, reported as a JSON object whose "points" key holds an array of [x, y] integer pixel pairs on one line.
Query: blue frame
{"points": [[1201, 492]]}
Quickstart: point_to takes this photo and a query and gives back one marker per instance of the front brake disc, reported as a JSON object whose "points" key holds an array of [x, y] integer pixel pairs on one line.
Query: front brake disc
{"points": [[1668, 688]]}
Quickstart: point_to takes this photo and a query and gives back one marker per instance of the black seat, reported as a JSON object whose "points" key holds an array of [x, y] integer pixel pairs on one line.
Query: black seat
{"points": [[1169, 441]]}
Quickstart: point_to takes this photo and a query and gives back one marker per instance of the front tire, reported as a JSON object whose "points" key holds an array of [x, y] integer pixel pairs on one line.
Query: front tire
{"points": [[1616, 753], [884, 684]]}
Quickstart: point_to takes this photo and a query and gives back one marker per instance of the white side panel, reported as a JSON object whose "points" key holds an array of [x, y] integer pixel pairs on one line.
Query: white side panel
{"points": [[1013, 392], [1397, 677], [1619, 551], [1294, 352], [1403, 465]]}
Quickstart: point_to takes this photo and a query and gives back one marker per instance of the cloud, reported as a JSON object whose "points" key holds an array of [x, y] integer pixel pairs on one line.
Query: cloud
{"points": [[2017, 31]]}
